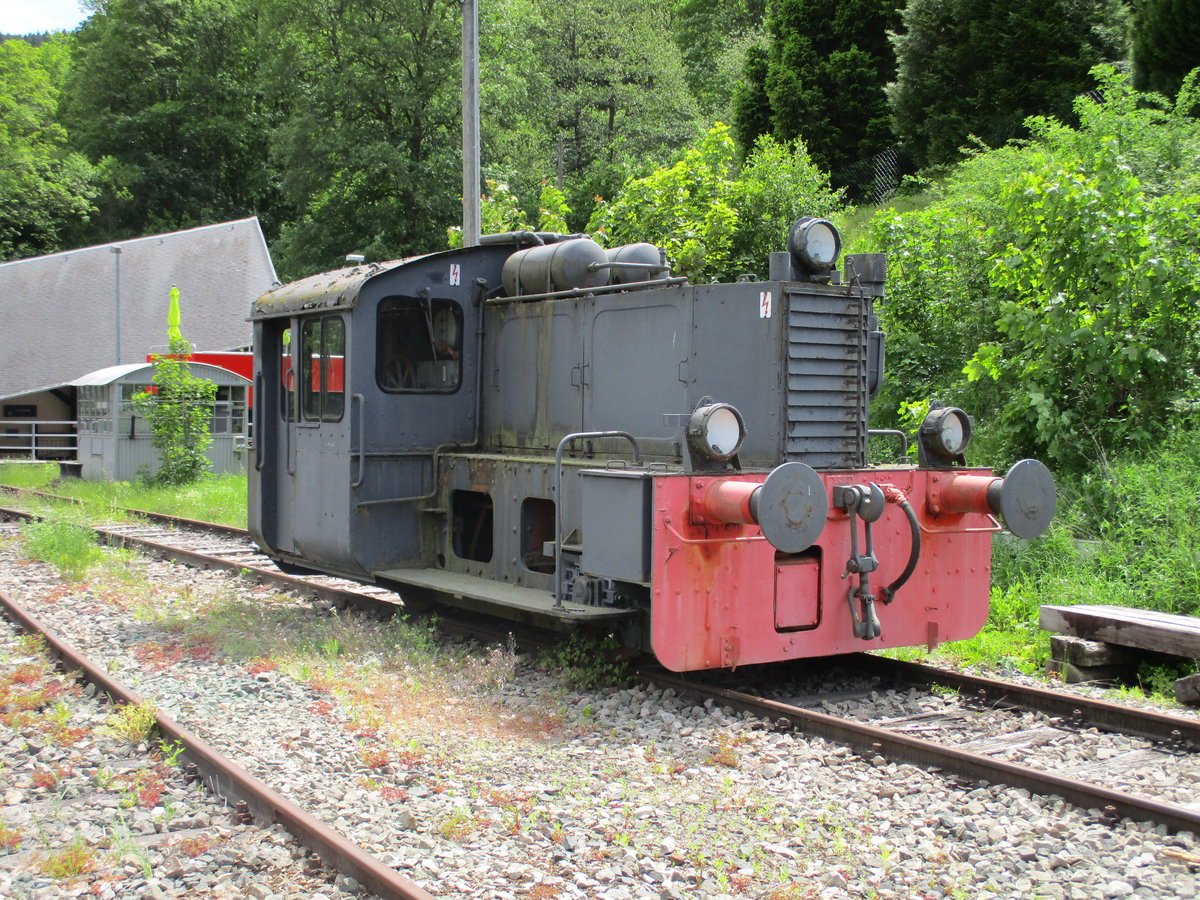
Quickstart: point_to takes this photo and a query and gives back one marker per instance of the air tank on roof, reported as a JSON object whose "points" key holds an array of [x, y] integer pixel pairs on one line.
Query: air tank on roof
{"points": [[578, 263], [637, 262]]}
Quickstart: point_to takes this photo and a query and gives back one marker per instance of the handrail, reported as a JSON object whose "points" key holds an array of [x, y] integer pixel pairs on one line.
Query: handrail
{"points": [[572, 293], [291, 405], [261, 398], [362, 434]]}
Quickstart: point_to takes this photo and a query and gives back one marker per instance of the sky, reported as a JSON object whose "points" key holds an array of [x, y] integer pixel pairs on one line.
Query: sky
{"points": [[31, 16]]}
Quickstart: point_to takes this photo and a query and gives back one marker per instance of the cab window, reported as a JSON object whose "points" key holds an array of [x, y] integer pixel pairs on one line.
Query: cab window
{"points": [[419, 347], [322, 368], [287, 377]]}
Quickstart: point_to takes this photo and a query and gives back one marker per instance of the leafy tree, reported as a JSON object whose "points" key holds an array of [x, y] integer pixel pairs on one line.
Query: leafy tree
{"points": [[34, 40], [826, 68], [589, 91], [1165, 44], [178, 410], [164, 89], [713, 39], [778, 184], [368, 148], [714, 218], [517, 100], [750, 106], [501, 211], [45, 190], [980, 67]]}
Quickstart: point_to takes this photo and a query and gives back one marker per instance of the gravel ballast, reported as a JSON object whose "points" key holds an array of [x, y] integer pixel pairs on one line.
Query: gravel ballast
{"points": [[533, 790]]}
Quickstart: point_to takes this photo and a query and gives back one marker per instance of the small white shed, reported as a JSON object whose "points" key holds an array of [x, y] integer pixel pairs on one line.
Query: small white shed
{"points": [[115, 443]]}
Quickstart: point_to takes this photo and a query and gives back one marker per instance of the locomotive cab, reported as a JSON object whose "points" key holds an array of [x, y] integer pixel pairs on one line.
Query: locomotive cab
{"points": [[549, 431]]}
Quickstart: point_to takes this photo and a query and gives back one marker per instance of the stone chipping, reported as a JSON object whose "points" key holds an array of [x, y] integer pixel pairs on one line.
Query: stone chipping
{"points": [[625, 794]]}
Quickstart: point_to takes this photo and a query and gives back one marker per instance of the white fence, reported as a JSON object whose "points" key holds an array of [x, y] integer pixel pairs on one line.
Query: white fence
{"points": [[42, 440]]}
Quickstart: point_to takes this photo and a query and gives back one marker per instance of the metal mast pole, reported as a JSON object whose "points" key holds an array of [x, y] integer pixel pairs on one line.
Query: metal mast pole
{"points": [[470, 137], [117, 300]]}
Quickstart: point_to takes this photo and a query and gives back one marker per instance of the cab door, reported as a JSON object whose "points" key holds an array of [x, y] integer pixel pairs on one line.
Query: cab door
{"points": [[319, 442], [271, 486]]}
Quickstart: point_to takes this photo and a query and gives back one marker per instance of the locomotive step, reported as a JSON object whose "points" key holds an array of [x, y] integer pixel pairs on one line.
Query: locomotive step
{"points": [[469, 590]]}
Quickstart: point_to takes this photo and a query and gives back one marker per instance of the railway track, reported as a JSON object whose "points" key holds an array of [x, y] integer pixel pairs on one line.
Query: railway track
{"points": [[252, 800], [1020, 743], [209, 545], [981, 729]]}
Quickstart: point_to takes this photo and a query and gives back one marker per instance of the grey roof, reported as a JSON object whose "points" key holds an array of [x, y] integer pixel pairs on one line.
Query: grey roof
{"points": [[338, 289], [326, 290], [107, 375], [60, 311], [111, 374]]}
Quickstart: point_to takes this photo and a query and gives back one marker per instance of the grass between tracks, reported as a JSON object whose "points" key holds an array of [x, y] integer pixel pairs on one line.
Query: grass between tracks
{"points": [[41, 704], [213, 498]]}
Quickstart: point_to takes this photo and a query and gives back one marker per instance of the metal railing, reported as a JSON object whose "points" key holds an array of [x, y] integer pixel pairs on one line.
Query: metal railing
{"points": [[40, 440]]}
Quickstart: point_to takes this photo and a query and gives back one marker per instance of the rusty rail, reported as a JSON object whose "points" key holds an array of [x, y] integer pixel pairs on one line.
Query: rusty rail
{"points": [[869, 739], [234, 783], [1108, 716]]}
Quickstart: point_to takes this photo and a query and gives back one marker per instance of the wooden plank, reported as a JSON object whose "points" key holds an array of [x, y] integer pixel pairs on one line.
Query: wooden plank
{"points": [[1015, 740], [1145, 629], [927, 721], [1121, 764]]}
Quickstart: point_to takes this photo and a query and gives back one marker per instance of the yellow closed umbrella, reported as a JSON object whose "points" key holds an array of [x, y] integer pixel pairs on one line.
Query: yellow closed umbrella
{"points": [[173, 318]]}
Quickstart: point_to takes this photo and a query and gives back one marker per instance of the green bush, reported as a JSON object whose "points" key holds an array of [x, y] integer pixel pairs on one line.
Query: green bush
{"points": [[715, 218], [70, 548], [1064, 274], [588, 662]]}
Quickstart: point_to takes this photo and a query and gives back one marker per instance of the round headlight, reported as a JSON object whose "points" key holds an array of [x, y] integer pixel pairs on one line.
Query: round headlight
{"points": [[814, 244], [717, 431], [945, 434]]}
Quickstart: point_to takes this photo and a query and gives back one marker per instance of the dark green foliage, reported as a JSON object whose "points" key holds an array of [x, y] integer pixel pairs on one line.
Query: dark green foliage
{"points": [[618, 99], [163, 90], [580, 94], [751, 107], [33, 40], [46, 191], [368, 148], [1164, 44], [714, 38], [178, 412], [824, 81], [980, 67]]}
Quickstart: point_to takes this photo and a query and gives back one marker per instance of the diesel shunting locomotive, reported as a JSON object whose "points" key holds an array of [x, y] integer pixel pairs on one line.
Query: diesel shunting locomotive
{"points": [[569, 436]]}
